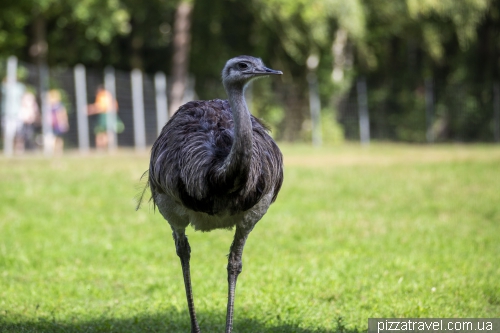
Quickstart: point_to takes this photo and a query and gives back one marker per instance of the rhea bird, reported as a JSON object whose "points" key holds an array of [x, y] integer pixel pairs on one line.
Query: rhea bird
{"points": [[215, 166]]}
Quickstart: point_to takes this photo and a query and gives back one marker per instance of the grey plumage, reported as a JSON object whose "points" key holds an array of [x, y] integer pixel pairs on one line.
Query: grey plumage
{"points": [[215, 166], [187, 157]]}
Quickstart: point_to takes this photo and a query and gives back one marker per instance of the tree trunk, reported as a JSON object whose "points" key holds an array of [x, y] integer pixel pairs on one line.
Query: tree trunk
{"points": [[136, 44], [340, 56], [182, 43], [39, 47]]}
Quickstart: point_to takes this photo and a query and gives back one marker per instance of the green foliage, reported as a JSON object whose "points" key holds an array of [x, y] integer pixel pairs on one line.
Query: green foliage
{"points": [[102, 19], [306, 25], [465, 15], [265, 106], [428, 22], [13, 20], [331, 131], [384, 231], [395, 44], [76, 30]]}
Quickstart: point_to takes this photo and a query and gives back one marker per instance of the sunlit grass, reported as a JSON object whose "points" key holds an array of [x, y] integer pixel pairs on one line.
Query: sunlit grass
{"points": [[383, 231]]}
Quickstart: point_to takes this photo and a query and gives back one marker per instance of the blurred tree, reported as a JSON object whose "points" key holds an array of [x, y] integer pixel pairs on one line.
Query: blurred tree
{"points": [[13, 20], [56, 23], [148, 45], [416, 40], [396, 45], [290, 31], [221, 30], [180, 61]]}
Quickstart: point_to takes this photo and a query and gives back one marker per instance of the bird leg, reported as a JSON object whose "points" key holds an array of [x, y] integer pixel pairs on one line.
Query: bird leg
{"points": [[184, 252], [234, 267]]}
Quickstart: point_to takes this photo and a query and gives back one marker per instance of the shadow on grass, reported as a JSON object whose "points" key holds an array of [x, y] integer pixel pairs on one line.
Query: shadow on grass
{"points": [[167, 322]]}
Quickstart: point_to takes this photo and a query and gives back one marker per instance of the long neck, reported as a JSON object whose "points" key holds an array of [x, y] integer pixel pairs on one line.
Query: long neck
{"points": [[237, 164]]}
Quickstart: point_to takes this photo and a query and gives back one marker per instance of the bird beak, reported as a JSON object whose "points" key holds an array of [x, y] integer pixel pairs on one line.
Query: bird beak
{"points": [[267, 71]]}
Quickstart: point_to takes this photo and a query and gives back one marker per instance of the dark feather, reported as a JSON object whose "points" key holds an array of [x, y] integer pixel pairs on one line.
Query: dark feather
{"points": [[194, 144], [145, 187]]}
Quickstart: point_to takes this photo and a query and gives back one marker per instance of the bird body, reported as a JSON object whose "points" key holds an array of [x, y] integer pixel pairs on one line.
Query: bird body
{"points": [[214, 166], [185, 159]]}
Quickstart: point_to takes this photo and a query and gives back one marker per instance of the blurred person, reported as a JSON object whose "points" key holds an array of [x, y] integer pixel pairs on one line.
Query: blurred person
{"points": [[104, 104], [29, 115], [21, 117], [59, 117]]}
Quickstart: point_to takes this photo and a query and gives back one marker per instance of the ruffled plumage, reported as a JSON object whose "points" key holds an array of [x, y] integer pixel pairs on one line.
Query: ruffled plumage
{"points": [[192, 147]]}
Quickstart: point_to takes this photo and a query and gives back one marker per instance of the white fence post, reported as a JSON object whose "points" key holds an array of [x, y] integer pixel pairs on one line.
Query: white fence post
{"points": [[81, 108], [364, 118], [161, 101], [10, 107], [111, 122], [48, 135], [138, 110]]}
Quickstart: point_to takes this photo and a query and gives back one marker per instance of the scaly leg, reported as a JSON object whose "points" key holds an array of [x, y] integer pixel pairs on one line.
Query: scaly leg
{"points": [[184, 253], [234, 267]]}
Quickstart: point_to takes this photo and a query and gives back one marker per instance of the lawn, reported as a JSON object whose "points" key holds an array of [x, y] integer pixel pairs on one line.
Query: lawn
{"points": [[383, 231]]}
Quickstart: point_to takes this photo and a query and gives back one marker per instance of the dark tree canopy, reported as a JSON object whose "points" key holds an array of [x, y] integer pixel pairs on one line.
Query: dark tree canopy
{"points": [[397, 45]]}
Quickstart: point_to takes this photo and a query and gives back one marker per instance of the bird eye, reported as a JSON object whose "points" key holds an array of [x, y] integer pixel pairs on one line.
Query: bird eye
{"points": [[242, 65]]}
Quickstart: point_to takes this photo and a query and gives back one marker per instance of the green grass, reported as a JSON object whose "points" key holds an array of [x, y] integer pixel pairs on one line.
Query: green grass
{"points": [[385, 231]]}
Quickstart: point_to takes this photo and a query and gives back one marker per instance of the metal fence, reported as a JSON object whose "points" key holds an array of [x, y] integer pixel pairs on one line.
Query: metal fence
{"points": [[141, 106], [431, 112]]}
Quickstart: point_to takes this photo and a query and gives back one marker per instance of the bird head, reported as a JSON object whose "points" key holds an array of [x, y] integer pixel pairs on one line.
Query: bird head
{"points": [[240, 70]]}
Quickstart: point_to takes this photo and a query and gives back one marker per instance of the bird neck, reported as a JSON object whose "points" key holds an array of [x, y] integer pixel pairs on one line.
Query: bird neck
{"points": [[237, 164]]}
